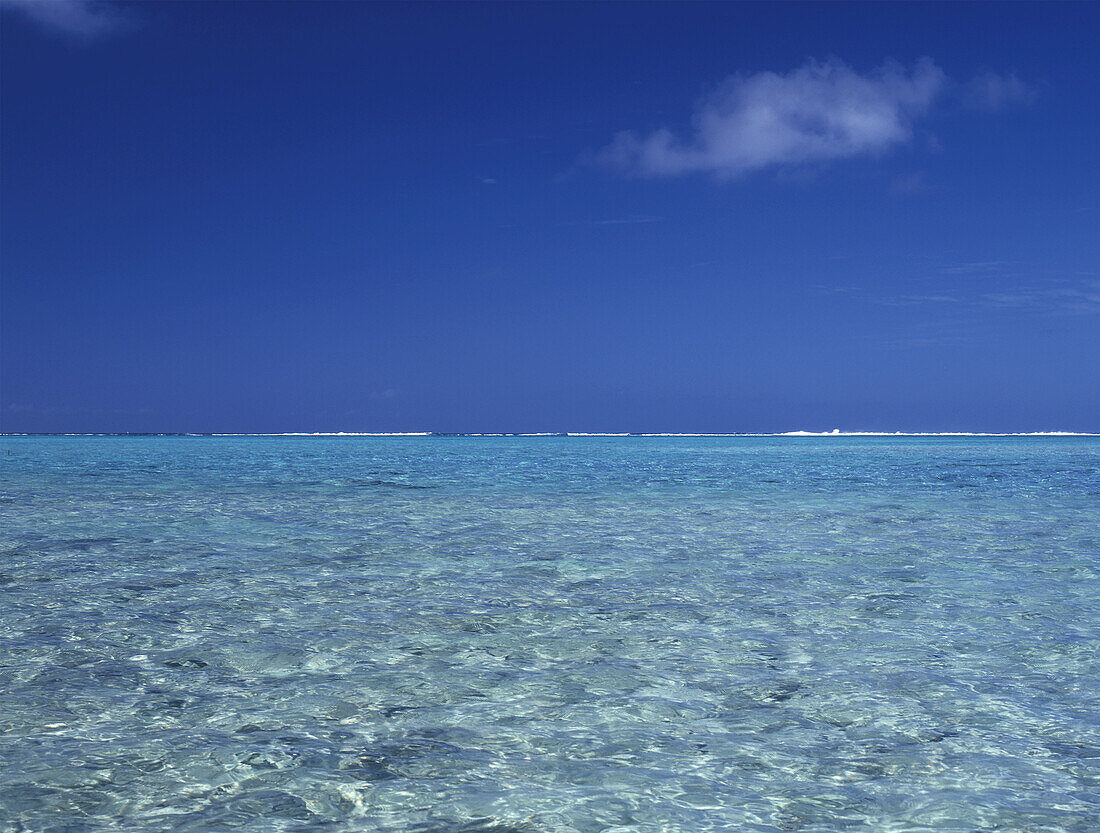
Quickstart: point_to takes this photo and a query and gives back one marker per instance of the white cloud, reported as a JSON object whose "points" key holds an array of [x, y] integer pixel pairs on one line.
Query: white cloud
{"points": [[990, 91], [82, 18], [821, 111]]}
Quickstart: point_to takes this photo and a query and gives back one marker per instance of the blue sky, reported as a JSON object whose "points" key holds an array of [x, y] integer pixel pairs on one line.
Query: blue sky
{"points": [[684, 217]]}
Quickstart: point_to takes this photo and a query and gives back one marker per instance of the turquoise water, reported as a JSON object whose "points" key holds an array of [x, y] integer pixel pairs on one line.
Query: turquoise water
{"points": [[516, 635]]}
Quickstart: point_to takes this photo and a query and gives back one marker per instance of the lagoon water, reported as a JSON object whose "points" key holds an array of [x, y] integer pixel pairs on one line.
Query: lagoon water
{"points": [[542, 635]]}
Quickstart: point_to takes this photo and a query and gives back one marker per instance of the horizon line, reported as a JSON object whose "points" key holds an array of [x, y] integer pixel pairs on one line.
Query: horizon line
{"points": [[836, 432]]}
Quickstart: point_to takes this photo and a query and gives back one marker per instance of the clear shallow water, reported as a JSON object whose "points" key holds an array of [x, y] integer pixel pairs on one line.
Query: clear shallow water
{"points": [[523, 635]]}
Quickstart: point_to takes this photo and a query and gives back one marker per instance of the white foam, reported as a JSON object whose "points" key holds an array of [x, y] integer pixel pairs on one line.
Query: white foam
{"points": [[330, 434]]}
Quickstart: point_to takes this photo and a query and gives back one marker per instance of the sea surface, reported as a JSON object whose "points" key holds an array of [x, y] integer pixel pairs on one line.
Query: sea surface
{"points": [[543, 634]]}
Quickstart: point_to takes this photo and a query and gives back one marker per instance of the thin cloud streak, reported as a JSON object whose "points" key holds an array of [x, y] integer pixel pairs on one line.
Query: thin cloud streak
{"points": [[1083, 299], [1079, 298], [976, 267], [626, 221], [85, 19], [924, 299]]}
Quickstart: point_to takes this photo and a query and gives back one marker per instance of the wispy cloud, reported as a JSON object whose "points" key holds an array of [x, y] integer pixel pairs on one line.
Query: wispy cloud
{"points": [[975, 267], [1070, 295], [1083, 298], [626, 221], [632, 220], [820, 112], [989, 91], [78, 18], [828, 289], [909, 300], [914, 183], [921, 342], [1077, 298]]}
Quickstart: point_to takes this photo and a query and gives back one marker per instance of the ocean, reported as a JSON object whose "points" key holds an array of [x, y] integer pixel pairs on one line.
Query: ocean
{"points": [[550, 634]]}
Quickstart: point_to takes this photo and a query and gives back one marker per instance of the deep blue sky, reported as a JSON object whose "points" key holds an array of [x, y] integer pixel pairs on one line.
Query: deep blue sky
{"points": [[344, 216]]}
